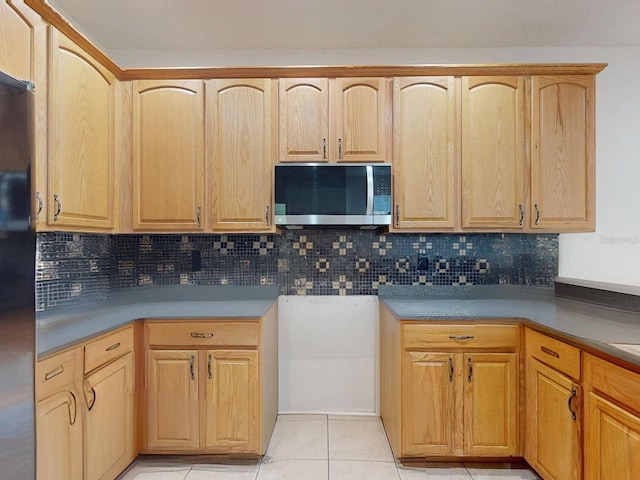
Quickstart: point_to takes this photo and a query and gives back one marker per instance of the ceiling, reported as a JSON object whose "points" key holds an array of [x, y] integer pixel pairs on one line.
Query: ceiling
{"points": [[236, 25]]}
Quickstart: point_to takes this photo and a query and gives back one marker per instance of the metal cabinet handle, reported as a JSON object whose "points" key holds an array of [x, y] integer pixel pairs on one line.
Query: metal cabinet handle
{"points": [[201, 335], [58, 207], [537, 213], [89, 395], [339, 149], [40, 205], [548, 351], [266, 216], [470, 363], [53, 373], [192, 362], [198, 218], [397, 215], [73, 408], [209, 366], [521, 214], [574, 393], [324, 148], [450, 369], [461, 337], [112, 347]]}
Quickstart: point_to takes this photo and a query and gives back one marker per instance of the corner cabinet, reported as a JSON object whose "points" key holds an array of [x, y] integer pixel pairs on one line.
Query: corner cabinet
{"points": [[242, 124], [335, 120], [211, 385], [81, 164], [612, 427], [553, 405], [450, 390], [168, 155], [563, 153], [426, 154]]}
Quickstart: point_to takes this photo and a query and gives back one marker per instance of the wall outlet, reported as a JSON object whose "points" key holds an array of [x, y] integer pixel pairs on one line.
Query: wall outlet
{"points": [[423, 262]]}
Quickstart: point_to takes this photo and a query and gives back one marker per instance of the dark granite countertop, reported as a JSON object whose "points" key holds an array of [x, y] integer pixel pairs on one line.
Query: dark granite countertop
{"points": [[62, 327], [589, 326]]}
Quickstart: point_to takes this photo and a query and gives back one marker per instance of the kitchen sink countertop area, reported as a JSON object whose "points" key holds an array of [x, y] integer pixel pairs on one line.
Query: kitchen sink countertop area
{"points": [[61, 327], [592, 327]]}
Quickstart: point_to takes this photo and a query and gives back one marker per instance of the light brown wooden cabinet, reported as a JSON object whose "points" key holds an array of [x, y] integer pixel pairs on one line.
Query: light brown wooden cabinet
{"points": [[59, 417], [242, 116], [109, 434], [563, 153], [211, 385], [449, 390], [23, 53], [493, 152], [335, 120], [553, 407], [81, 126], [426, 153], [612, 426], [168, 155]]}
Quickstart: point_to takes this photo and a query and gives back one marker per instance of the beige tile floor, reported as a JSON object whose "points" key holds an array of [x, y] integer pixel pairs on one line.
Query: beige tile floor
{"points": [[324, 447]]}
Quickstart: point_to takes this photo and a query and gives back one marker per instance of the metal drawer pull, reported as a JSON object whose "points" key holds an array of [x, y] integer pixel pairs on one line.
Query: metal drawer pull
{"points": [[209, 366], [450, 369], [550, 352], [461, 337], [521, 215], [201, 335], [112, 347], [40, 205], [339, 149], [192, 361], [58, 207], [397, 215], [537, 213], [53, 373], [574, 393], [470, 369]]}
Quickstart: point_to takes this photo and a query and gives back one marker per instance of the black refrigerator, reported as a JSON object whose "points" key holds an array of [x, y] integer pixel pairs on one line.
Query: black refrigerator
{"points": [[17, 282]]}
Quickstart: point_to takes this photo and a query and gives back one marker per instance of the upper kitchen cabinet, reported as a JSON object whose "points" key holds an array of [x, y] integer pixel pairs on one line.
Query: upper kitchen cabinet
{"points": [[335, 120], [425, 153], [81, 158], [493, 152], [243, 121], [23, 55], [168, 155], [563, 152]]}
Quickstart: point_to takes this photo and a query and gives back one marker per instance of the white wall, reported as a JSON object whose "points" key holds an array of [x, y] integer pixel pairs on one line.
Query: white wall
{"points": [[327, 354], [612, 253]]}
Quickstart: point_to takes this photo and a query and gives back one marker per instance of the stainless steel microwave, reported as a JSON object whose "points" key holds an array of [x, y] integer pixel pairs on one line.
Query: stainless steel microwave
{"points": [[332, 194]]}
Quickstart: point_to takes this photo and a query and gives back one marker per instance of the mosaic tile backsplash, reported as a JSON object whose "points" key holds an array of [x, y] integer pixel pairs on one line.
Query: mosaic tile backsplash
{"points": [[82, 267]]}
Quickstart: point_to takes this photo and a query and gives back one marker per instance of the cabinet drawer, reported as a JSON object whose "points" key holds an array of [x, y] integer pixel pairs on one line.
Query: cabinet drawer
{"points": [[220, 333], [108, 348], [427, 336], [55, 373], [558, 355]]}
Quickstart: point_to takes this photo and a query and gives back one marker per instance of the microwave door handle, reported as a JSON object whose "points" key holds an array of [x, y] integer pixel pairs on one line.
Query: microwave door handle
{"points": [[369, 189]]}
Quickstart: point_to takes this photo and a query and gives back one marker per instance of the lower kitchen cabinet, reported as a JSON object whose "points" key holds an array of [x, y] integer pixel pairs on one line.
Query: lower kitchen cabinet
{"points": [[59, 417], [211, 385], [553, 440], [449, 390], [612, 427]]}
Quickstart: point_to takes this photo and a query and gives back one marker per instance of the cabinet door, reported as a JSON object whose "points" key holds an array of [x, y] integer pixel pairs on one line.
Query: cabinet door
{"points": [[563, 151], [172, 400], [304, 119], [232, 400], [613, 442], [59, 438], [242, 113], [109, 425], [428, 403], [81, 133], [553, 431], [490, 404], [168, 155], [493, 152], [425, 153], [360, 112]]}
